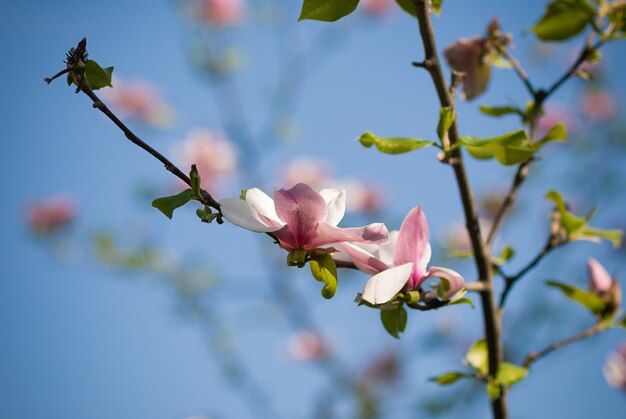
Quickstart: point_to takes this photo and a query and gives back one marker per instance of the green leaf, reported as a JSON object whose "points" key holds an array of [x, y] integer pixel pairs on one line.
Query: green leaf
{"points": [[511, 148], [97, 77], [324, 270], [436, 4], [408, 6], [206, 215], [448, 378], [446, 119], [462, 300], [556, 133], [577, 228], [327, 10], [509, 374], [505, 255], [478, 357], [563, 19], [168, 204], [394, 321], [393, 145], [589, 300], [494, 390], [500, 110]]}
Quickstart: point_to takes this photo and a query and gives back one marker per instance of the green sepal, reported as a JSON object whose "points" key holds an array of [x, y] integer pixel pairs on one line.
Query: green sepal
{"points": [[448, 378], [446, 119], [324, 270], [477, 356], [412, 297], [168, 204], [195, 181], [296, 258], [589, 300], [394, 321], [206, 214], [327, 10], [460, 298], [394, 145], [98, 77]]}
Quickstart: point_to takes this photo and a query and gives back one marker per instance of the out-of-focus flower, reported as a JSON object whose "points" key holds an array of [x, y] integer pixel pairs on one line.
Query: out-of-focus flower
{"points": [[600, 279], [141, 101], [360, 197], [306, 346], [48, 216], [219, 12], [615, 368], [400, 264], [376, 8], [312, 172], [599, 105], [468, 56], [552, 116], [384, 369], [212, 153], [457, 238], [300, 218]]}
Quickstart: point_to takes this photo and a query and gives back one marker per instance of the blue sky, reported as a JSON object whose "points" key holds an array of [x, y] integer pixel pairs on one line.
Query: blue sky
{"points": [[80, 339]]}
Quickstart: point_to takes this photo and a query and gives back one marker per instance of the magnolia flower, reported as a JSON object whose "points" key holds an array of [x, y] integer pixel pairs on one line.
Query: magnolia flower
{"points": [[400, 264], [467, 55], [601, 281], [615, 368], [140, 100], [306, 346], [220, 12], [48, 216], [299, 218]]}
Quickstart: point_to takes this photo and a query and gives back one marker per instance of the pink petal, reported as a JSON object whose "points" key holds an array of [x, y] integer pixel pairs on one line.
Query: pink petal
{"points": [[466, 56], [454, 278], [327, 234], [302, 209], [600, 279], [363, 259], [384, 286], [412, 245]]}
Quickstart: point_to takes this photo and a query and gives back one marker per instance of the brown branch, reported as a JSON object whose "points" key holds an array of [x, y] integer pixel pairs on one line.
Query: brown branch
{"points": [[533, 357], [205, 197], [517, 68], [481, 254]]}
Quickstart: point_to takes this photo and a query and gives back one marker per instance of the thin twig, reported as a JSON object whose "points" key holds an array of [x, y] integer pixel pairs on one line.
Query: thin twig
{"points": [[533, 357], [481, 254], [517, 68]]}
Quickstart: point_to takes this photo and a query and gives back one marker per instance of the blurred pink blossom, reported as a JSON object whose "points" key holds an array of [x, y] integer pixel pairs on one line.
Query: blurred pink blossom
{"points": [[457, 238], [600, 279], [220, 12], [599, 104], [615, 368], [213, 154], [551, 117], [306, 346], [377, 8], [51, 215], [313, 172], [139, 100]]}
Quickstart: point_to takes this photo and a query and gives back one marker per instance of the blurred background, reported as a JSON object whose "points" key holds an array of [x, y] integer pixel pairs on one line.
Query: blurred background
{"points": [[110, 310]]}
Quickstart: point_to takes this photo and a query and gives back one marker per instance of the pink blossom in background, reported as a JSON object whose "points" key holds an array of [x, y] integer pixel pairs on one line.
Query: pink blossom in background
{"points": [[139, 100], [312, 172], [51, 215], [219, 12], [599, 104], [552, 116], [615, 368], [401, 263], [457, 238], [600, 279], [214, 155], [377, 8], [306, 346], [299, 218], [468, 55]]}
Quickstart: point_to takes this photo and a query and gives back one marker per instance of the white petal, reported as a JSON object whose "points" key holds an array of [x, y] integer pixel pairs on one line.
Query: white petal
{"points": [[263, 204], [335, 205], [385, 251], [242, 214], [382, 287]]}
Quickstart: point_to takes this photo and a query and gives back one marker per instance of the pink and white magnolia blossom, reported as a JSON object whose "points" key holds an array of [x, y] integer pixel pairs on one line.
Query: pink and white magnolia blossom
{"points": [[220, 12], [299, 218], [601, 281], [400, 264], [468, 56], [140, 100], [615, 368]]}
